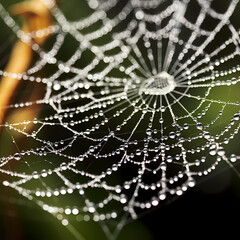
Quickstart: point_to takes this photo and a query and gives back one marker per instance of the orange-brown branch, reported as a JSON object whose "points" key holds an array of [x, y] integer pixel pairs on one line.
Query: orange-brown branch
{"points": [[36, 17]]}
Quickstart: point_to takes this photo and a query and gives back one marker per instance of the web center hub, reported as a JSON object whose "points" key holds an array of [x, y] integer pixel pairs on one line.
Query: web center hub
{"points": [[161, 84]]}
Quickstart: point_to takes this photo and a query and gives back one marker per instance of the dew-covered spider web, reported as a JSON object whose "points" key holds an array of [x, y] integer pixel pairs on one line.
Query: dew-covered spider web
{"points": [[140, 101]]}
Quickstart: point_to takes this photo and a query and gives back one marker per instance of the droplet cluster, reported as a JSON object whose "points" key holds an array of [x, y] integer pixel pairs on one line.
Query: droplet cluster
{"points": [[108, 124]]}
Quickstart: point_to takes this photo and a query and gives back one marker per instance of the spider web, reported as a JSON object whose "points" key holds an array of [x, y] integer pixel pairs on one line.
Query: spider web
{"points": [[140, 102]]}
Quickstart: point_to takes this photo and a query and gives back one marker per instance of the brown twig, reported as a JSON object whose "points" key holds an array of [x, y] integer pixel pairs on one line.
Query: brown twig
{"points": [[36, 16]]}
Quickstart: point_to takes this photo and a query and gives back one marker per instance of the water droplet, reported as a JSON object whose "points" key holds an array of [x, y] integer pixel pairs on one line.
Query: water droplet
{"points": [[75, 211], [161, 120], [123, 198], [81, 191], [108, 171], [35, 121], [93, 4], [162, 109], [17, 156], [169, 159], [35, 175], [148, 131], [213, 150], [172, 135], [114, 167], [126, 185], [191, 182], [44, 173], [233, 158], [56, 86], [63, 166], [179, 192], [5, 183], [34, 134], [236, 117], [138, 152], [199, 126], [163, 166], [139, 15], [118, 189], [207, 135], [221, 151], [162, 196], [154, 201], [91, 209]]}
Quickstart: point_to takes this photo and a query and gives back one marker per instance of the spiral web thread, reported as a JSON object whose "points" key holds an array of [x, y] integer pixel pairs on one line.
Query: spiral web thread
{"points": [[143, 106]]}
